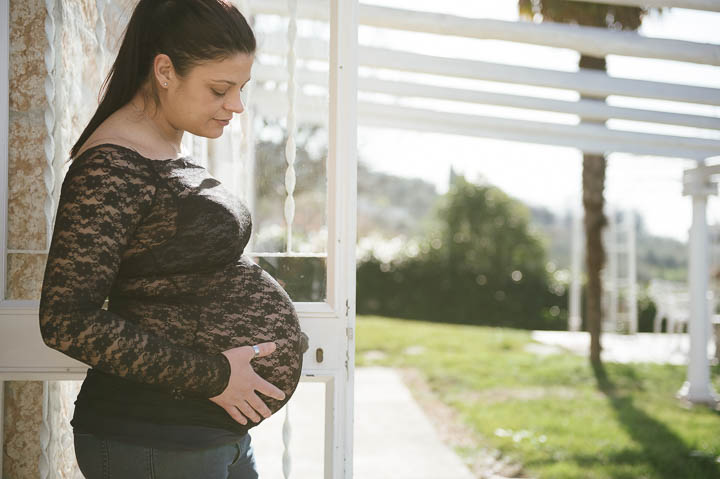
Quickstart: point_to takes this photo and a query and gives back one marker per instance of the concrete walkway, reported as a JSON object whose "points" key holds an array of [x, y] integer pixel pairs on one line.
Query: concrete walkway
{"points": [[393, 437], [622, 348]]}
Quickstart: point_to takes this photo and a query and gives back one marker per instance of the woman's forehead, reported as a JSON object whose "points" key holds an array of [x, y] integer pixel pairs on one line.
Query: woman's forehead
{"points": [[234, 68]]}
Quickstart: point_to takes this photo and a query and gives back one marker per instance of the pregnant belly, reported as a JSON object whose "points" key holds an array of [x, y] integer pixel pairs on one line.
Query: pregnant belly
{"points": [[241, 305]]}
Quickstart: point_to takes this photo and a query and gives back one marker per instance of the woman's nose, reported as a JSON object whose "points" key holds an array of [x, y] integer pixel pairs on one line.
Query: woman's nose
{"points": [[235, 104]]}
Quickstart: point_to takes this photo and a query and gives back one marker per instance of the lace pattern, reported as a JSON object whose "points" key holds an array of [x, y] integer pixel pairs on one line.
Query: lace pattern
{"points": [[163, 240]]}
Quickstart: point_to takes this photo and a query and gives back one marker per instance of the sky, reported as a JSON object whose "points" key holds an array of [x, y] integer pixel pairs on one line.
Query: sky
{"points": [[536, 174]]}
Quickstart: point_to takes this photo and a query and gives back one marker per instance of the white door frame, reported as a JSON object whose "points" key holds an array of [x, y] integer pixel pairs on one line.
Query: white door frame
{"points": [[330, 325]]}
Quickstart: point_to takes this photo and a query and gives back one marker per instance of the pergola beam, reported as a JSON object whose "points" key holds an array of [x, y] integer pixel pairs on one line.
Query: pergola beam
{"points": [[587, 82], [587, 137], [585, 108], [593, 41]]}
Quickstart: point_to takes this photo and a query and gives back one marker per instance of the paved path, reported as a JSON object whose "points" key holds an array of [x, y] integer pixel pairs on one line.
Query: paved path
{"points": [[393, 437], [623, 348]]}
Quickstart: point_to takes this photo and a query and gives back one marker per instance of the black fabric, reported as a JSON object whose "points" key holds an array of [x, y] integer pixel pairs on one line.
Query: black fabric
{"points": [[162, 240]]}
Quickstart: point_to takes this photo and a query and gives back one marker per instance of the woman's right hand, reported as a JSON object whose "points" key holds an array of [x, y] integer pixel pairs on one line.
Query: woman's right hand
{"points": [[244, 381]]}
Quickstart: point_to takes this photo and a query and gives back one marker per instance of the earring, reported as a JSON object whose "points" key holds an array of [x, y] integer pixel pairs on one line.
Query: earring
{"points": [[165, 84]]}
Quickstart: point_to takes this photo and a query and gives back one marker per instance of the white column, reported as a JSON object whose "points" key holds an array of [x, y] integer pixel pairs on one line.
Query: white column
{"points": [[632, 272], [575, 316], [697, 387], [612, 272], [342, 230]]}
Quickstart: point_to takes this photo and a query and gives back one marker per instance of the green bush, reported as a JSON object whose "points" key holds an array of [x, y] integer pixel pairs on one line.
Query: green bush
{"points": [[478, 264], [646, 313]]}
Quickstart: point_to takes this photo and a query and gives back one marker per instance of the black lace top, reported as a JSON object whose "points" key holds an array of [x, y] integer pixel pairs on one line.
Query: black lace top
{"points": [[162, 240]]}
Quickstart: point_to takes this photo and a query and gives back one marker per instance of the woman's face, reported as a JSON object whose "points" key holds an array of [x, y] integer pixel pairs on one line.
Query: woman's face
{"points": [[205, 99]]}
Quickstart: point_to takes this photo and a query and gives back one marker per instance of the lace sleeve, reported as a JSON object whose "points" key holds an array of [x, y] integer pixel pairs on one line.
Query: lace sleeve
{"points": [[101, 203]]}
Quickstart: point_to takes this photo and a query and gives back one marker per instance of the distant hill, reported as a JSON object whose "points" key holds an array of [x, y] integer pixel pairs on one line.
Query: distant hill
{"points": [[658, 257], [390, 205]]}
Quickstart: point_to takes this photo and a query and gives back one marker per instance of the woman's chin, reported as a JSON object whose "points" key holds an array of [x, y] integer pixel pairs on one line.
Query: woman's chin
{"points": [[215, 132]]}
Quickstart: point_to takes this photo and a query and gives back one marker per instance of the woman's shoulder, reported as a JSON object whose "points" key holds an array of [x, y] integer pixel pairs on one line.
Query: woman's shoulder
{"points": [[116, 138], [112, 155], [104, 147], [107, 137]]}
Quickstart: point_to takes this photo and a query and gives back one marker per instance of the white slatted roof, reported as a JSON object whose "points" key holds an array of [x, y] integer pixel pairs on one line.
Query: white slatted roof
{"points": [[592, 138]]}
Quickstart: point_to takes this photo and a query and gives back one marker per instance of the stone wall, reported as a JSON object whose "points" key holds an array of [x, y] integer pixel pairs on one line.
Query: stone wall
{"points": [[76, 83]]}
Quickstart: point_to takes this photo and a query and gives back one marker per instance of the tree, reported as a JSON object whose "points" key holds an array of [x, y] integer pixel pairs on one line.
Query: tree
{"points": [[593, 176], [477, 263], [310, 182]]}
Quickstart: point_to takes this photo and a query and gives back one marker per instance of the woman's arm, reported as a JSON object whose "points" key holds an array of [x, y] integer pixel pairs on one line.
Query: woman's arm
{"points": [[102, 201]]}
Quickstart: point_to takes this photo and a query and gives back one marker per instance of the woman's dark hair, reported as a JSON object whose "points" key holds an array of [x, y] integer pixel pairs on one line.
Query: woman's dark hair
{"points": [[190, 32]]}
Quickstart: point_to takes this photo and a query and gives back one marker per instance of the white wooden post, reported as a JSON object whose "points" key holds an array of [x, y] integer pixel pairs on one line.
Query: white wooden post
{"points": [[611, 274], [697, 387], [631, 272], [342, 173]]}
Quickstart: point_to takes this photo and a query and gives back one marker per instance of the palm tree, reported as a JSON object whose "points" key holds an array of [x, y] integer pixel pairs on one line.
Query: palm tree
{"points": [[593, 175]]}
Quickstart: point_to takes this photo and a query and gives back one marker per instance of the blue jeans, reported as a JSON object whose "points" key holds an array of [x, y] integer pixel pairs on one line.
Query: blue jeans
{"points": [[101, 458]]}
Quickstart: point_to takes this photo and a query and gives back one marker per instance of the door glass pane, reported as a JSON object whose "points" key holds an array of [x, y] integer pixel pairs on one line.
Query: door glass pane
{"points": [[254, 154]]}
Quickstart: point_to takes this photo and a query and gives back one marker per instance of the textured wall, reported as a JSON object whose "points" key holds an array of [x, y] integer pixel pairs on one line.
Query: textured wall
{"points": [[23, 415], [76, 82], [26, 229]]}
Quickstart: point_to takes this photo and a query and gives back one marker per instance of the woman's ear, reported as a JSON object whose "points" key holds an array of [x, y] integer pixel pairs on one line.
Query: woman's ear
{"points": [[163, 69]]}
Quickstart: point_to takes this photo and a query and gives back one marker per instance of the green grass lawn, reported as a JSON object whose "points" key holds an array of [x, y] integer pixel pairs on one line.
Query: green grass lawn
{"points": [[554, 414]]}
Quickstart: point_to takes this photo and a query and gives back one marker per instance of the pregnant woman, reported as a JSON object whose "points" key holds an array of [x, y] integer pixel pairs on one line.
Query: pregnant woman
{"points": [[197, 344]]}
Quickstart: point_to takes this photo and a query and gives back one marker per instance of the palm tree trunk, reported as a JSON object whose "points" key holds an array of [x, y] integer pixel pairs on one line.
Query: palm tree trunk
{"points": [[593, 180]]}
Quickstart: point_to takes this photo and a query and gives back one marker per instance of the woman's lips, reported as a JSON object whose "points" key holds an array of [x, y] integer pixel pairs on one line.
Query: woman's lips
{"points": [[222, 122]]}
